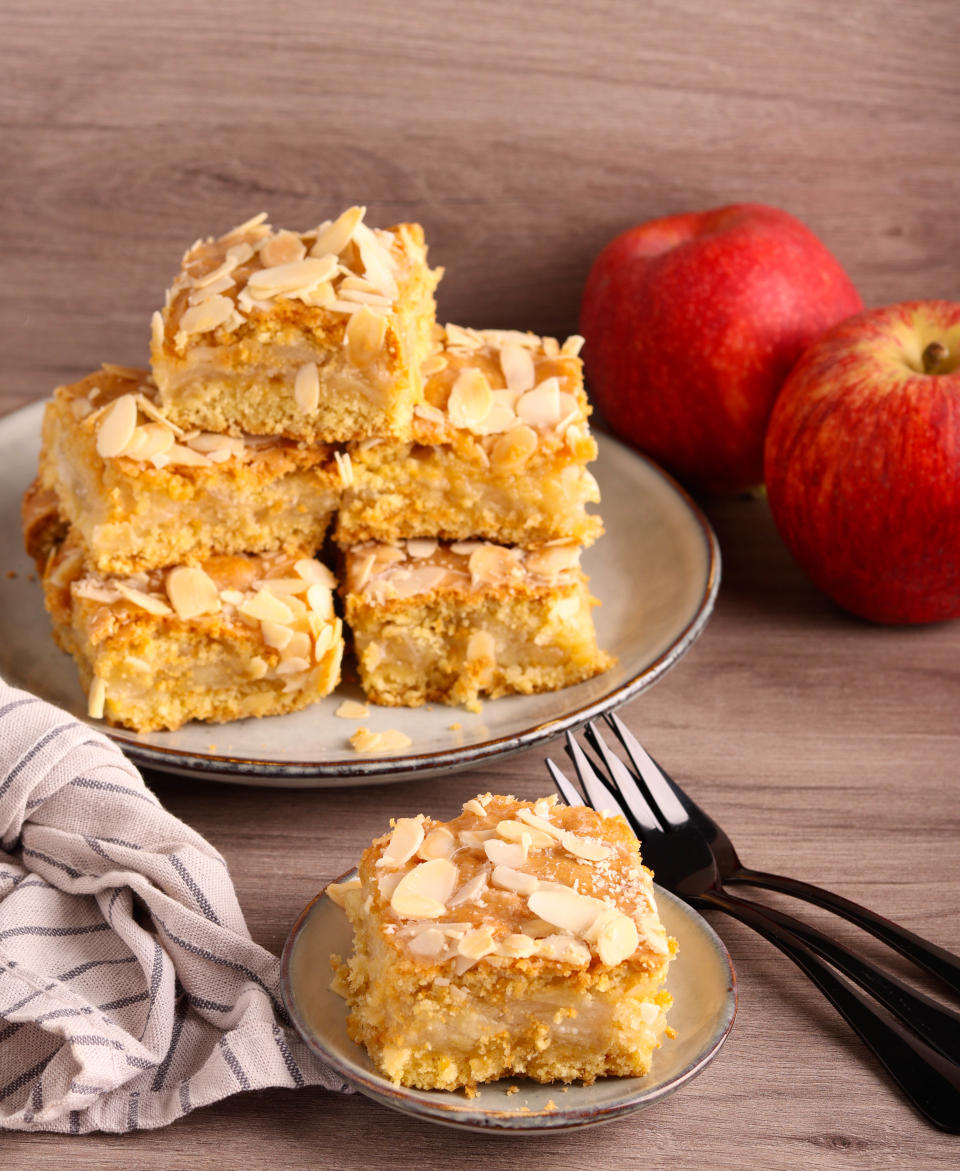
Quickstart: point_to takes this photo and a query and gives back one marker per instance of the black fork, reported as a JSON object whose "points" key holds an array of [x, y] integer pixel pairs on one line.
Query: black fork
{"points": [[683, 862]]}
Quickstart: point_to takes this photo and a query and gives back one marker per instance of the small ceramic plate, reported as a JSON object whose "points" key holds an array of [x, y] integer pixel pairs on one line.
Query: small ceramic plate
{"points": [[701, 981], [656, 571]]}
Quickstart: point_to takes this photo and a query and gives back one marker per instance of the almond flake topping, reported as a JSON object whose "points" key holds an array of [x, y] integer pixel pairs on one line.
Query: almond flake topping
{"points": [[439, 843], [284, 248], [96, 698], [148, 602], [512, 854], [476, 944], [516, 362], [350, 709], [365, 335], [572, 346], [422, 546], [512, 450], [492, 564], [566, 909], [516, 831], [589, 849], [423, 892], [117, 425], [314, 572], [428, 943], [406, 839], [295, 277], [306, 388], [264, 605], [192, 592], [275, 634], [508, 878], [471, 890], [473, 806], [209, 314], [471, 399], [540, 823], [516, 946], [564, 950], [333, 237], [336, 890], [541, 406]]}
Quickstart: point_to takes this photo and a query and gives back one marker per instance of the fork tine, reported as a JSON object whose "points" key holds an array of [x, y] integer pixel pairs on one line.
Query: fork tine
{"points": [[598, 795], [567, 790], [623, 782], [659, 787]]}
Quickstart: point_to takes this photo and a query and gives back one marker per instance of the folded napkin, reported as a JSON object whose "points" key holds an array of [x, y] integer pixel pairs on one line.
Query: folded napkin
{"points": [[130, 989]]}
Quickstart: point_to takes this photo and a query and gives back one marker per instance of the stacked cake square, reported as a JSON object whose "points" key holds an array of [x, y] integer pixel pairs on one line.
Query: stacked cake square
{"points": [[305, 419]]}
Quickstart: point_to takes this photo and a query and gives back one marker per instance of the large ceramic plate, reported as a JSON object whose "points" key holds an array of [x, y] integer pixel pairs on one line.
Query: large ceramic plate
{"points": [[656, 571], [701, 981]]}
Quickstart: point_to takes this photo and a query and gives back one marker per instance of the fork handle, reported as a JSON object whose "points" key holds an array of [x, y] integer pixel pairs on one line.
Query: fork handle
{"points": [[933, 959], [929, 1080]]}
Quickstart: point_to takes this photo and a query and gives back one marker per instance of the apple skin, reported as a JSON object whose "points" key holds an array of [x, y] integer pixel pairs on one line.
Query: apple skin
{"points": [[692, 323], [862, 464]]}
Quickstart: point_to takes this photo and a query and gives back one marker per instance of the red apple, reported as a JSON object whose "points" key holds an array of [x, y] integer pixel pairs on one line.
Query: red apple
{"points": [[862, 463], [692, 323]]}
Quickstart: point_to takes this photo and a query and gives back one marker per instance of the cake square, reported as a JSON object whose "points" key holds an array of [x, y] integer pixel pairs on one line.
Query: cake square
{"points": [[238, 636], [143, 494], [519, 939], [450, 622], [317, 336], [499, 449]]}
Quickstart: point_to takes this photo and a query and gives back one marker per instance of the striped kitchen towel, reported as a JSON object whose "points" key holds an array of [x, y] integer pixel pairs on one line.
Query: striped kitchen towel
{"points": [[130, 989]]}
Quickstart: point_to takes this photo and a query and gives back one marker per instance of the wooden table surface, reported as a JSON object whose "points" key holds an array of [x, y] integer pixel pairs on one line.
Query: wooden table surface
{"points": [[524, 137]]}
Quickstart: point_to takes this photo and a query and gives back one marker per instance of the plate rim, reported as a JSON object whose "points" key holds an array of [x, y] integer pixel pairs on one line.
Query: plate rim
{"points": [[218, 766], [469, 1117]]}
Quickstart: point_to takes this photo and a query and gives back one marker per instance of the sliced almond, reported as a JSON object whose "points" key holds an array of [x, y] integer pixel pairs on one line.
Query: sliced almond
{"points": [[300, 275], [481, 647], [306, 388], [365, 335], [572, 346], [492, 565], [553, 560], [299, 647], [516, 946], [320, 600], [471, 890], [393, 740], [283, 248], [378, 265], [617, 940], [275, 634], [473, 839], [183, 456], [349, 709], [266, 606], [471, 399], [564, 950], [314, 572], [192, 592], [532, 819], [515, 831], [476, 944], [512, 450], [565, 908], [422, 546], [333, 237], [501, 853], [422, 893], [433, 365], [149, 602], [428, 943], [589, 849], [96, 698], [157, 331], [430, 413], [157, 440], [540, 407], [207, 315], [363, 740], [406, 839], [516, 362], [117, 425], [293, 666], [439, 843], [336, 890], [508, 878]]}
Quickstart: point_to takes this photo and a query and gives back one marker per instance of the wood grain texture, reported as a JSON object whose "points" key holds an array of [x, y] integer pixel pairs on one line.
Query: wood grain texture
{"points": [[524, 137]]}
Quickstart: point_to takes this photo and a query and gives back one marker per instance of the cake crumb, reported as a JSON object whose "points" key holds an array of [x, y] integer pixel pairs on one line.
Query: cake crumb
{"points": [[670, 1032], [12, 574], [392, 740], [455, 727], [513, 1090], [351, 710], [550, 1106]]}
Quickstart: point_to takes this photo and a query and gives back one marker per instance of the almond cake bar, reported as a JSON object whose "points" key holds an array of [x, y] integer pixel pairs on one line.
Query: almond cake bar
{"points": [[451, 622], [517, 939], [316, 335], [142, 493], [239, 635], [499, 449]]}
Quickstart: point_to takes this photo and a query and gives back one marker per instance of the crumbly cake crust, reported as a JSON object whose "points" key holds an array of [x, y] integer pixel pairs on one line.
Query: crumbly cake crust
{"points": [[241, 635], [318, 335], [453, 622], [500, 449], [143, 493], [520, 938]]}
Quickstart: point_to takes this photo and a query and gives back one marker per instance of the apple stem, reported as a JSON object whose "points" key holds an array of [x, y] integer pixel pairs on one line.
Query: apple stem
{"points": [[933, 357]]}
